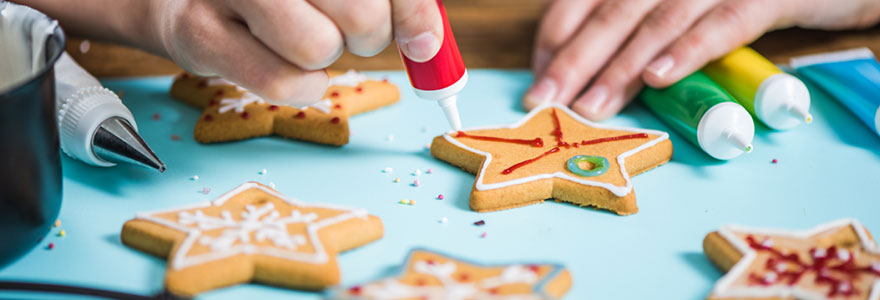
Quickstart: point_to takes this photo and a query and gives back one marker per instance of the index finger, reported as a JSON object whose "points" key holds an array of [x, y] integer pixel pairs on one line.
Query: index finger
{"points": [[417, 27]]}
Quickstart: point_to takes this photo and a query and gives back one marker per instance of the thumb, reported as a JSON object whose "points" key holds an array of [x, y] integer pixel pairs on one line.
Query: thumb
{"points": [[418, 28]]}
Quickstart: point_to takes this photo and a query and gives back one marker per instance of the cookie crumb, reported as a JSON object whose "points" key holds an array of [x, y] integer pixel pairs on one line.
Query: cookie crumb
{"points": [[62, 233], [387, 170], [774, 161], [175, 137], [480, 223], [57, 223], [440, 197]]}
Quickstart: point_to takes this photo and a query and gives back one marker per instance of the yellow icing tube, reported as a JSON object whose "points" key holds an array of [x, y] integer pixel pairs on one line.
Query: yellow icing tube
{"points": [[779, 100]]}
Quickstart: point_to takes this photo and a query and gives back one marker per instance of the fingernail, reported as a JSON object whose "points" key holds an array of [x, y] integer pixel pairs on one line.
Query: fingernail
{"points": [[661, 66], [539, 62], [421, 48], [593, 101], [541, 92]]}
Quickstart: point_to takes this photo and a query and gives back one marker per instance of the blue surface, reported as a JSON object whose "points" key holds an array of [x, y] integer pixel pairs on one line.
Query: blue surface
{"points": [[826, 170]]}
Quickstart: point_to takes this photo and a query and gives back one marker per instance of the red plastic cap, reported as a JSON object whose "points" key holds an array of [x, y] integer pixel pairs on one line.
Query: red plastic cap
{"points": [[445, 69]]}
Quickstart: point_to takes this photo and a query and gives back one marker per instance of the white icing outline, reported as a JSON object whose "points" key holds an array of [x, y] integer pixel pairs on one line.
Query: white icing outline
{"points": [[324, 105], [180, 260], [350, 78], [724, 287], [619, 191]]}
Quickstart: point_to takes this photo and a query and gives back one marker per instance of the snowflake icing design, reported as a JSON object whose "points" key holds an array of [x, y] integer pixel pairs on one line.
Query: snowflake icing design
{"points": [[264, 223]]}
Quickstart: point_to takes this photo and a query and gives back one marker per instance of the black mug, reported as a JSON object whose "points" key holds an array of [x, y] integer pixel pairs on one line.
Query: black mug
{"points": [[30, 162]]}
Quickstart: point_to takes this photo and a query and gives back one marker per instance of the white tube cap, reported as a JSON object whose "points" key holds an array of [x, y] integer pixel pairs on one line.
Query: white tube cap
{"points": [[726, 131], [783, 102]]}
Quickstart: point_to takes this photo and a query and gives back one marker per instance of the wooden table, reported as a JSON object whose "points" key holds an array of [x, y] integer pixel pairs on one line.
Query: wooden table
{"points": [[490, 34]]}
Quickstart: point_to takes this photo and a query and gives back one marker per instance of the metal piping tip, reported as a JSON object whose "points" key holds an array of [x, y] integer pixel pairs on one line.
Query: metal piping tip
{"points": [[116, 141]]}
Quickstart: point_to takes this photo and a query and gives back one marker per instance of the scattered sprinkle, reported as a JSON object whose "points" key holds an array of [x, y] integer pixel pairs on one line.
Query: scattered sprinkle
{"points": [[84, 46], [412, 202], [387, 170], [403, 201], [389, 138], [430, 171], [156, 117], [263, 172], [175, 137], [440, 197], [428, 146], [396, 180], [417, 172], [51, 246], [271, 184], [206, 190], [443, 220], [415, 183], [480, 223], [194, 178], [62, 233], [774, 161], [483, 236], [57, 223]]}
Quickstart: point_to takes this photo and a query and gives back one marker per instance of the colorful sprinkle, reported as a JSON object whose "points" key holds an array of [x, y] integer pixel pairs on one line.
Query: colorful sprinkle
{"points": [[57, 223], [483, 236], [440, 197], [774, 161], [443, 220], [62, 233], [387, 170], [175, 137], [156, 117], [428, 146], [430, 171], [412, 202], [194, 178], [396, 180], [206, 190], [389, 138], [415, 183], [480, 223], [417, 172], [51, 246], [264, 172], [403, 201]]}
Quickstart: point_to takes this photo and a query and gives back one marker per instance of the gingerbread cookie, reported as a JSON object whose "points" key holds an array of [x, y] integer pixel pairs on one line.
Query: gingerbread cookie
{"points": [[232, 113], [251, 233], [433, 276], [554, 153], [838, 260]]}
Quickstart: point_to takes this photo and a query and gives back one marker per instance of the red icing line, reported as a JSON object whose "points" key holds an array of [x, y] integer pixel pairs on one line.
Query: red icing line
{"points": [[335, 120], [209, 118], [537, 142], [273, 107], [300, 115], [616, 138], [821, 266], [528, 161], [557, 131]]}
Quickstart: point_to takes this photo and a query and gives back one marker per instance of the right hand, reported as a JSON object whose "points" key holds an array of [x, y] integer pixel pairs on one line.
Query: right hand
{"points": [[278, 49]]}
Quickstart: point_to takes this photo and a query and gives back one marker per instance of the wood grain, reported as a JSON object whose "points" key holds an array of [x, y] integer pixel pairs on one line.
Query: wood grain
{"points": [[490, 34]]}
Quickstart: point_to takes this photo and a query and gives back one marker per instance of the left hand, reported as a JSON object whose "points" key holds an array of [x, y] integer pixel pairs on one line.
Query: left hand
{"points": [[595, 55]]}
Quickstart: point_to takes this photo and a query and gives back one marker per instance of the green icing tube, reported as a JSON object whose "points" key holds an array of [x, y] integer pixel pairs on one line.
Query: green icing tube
{"points": [[700, 110]]}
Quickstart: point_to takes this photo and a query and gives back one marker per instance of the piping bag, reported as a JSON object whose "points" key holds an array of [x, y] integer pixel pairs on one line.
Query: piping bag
{"points": [[442, 77], [93, 124]]}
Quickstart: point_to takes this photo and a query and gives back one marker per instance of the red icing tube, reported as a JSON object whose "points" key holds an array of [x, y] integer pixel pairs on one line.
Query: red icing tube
{"points": [[442, 77]]}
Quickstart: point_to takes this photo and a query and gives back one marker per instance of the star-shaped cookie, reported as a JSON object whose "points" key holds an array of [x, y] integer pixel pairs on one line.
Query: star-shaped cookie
{"points": [[432, 276], [837, 260], [554, 153], [231, 113], [251, 233]]}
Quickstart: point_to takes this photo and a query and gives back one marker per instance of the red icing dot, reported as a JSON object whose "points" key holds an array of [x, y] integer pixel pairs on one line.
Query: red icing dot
{"points": [[212, 102], [51, 246], [300, 115], [385, 79], [430, 261], [209, 118], [493, 291], [273, 107], [355, 290], [421, 282], [334, 94], [464, 277], [203, 84], [337, 106], [534, 268], [218, 93], [184, 75], [335, 120], [774, 161], [245, 115], [359, 90]]}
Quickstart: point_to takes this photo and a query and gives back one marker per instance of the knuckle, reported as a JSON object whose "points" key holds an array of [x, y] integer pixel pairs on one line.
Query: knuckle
{"points": [[320, 52], [733, 13], [364, 18], [612, 11], [665, 18]]}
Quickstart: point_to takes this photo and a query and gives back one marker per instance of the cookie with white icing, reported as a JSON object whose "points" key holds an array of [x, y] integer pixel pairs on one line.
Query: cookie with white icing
{"points": [[553, 153], [251, 234], [232, 113], [837, 260], [432, 276]]}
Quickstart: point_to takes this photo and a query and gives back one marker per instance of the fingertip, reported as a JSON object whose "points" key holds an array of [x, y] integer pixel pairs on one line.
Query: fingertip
{"points": [[420, 48], [544, 90], [586, 110], [593, 105], [298, 90]]}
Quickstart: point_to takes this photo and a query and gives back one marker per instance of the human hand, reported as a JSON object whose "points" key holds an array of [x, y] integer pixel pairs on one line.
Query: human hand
{"points": [[278, 49], [595, 55]]}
